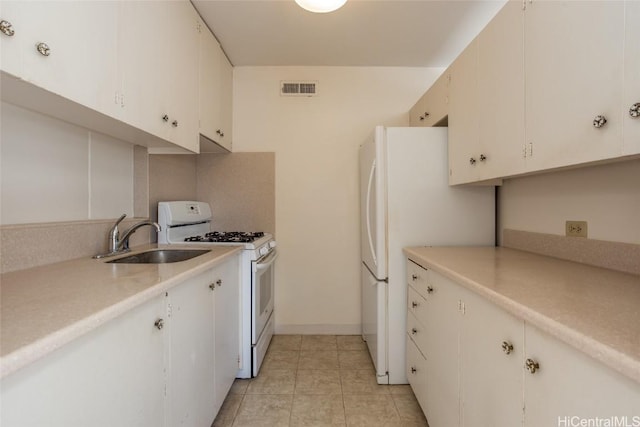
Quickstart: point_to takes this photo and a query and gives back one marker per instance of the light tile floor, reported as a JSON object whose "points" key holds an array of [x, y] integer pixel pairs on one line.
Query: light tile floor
{"points": [[318, 380]]}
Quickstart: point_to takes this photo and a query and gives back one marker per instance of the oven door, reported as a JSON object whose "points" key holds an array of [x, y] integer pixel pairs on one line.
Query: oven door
{"points": [[262, 286]]}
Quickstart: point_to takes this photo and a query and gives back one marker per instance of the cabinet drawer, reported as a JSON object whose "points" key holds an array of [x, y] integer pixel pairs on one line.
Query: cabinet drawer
{"points": [[417, 305], [417, 372], [418, 333], [419, 278]]}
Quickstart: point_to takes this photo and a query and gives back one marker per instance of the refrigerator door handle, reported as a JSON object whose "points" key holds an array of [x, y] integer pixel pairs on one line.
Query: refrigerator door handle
{"points": [[371, 176]]}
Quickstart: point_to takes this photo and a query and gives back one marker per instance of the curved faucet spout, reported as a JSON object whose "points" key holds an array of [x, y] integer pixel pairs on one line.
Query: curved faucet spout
{"points": [[123, 244]]}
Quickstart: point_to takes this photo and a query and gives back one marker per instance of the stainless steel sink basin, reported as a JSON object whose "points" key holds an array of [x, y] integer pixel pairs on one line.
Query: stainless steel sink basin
{"points": [[161, 256]]}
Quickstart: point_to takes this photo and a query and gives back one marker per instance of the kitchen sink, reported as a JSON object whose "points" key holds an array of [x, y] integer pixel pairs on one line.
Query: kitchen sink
{"points": [[161, 256]]}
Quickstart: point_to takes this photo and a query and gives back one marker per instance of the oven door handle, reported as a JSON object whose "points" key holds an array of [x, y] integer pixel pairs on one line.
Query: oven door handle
{"points": [[266, 261]]}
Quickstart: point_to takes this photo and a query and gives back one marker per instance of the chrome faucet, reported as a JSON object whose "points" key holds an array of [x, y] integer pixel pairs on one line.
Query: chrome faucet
{"points": [[119, 245]]}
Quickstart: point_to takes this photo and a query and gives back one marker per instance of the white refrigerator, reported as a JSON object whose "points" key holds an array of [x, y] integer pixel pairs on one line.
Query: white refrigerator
{"points": [[405, 200]]}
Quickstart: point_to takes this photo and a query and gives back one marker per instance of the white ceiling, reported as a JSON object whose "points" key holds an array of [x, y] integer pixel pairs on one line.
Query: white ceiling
{"points": [[421, 33]]}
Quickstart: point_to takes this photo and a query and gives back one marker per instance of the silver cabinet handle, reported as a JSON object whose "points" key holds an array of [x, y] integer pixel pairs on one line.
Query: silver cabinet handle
{"points": [[414, 304], [212, 286], [507, 347], [414, 277], [429, 289], [413, 370], [532, 366], [414, 331], [219, 282], [483, 157], [634, 111], [599, 121], [159, 324], [174, 123], [6, 28], [219, 132], [165, 118], [44, 49], [472, 161]]}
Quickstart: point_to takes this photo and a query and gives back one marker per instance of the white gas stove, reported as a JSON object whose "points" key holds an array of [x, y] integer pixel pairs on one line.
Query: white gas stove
{"points": [[189, 222]]}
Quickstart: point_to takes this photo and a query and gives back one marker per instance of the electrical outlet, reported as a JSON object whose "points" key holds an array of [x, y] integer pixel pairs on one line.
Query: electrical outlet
{"points": [[576, 228]]}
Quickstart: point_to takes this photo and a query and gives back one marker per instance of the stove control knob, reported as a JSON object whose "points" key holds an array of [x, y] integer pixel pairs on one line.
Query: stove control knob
{"points": [[272, 244], [263, 251]]}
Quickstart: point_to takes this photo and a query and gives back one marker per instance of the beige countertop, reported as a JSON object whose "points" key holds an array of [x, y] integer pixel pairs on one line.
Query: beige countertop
{"points": [[593, 309], [43, 308]]}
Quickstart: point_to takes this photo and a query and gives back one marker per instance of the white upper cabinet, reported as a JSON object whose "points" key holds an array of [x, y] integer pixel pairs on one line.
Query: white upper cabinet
{"points": [[573, 61], [216, 84], [631, 92], [135, 62], [68, 48], [160, 69], [501, 94], [432, 107]]}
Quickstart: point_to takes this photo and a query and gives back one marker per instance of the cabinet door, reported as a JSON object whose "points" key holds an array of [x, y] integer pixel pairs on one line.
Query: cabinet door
{"points": [[191, 391], [416, 114], [143, 57], [569, 383], [432, 107], [227, 328], [209, 84], [113, 376], [417, 375], [573, 69], [631, 125], [181, 59], [441, 330], [501, 94], [490, 375], [463, 117], [226, 102], [12, 46]]}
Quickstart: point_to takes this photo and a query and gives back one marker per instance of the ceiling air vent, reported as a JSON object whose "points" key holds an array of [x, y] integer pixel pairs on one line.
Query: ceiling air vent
{"points": [[297, 88]]}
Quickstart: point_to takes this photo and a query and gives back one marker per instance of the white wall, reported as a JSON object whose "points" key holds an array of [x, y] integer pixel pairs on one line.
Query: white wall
{"points": [[55, 171], [606, 196], [316, 143]]}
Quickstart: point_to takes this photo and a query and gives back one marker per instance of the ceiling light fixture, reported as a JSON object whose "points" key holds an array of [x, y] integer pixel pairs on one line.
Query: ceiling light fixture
{"points": [[321, 6]]}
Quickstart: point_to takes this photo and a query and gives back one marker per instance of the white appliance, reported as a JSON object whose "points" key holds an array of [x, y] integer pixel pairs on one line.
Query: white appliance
{"points": [[405, 200], [189, 222]]}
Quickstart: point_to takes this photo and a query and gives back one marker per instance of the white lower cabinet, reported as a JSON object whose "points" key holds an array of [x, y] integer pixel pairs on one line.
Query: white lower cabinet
{"points": [[113, 376], [169, 362], [203, 344], [472, 364], [572, 388]]}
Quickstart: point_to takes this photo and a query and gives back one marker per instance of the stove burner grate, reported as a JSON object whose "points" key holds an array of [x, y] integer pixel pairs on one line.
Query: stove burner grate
{"points": [[227, 237]]}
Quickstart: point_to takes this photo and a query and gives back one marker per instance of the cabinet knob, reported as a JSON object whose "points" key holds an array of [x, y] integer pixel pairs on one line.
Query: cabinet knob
{"points": [[421, 118], [472, 161], [483, 157], [159, 324], [414, 331], [219, 132], [44, 49], [174, 123], [414, 304], [413, 370], [414, 277], [429, 289], [507, 347], [599, 122], [212, 286], [532, 366], [165, 118], [219, 282], [634, 111], [6, 28]]}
